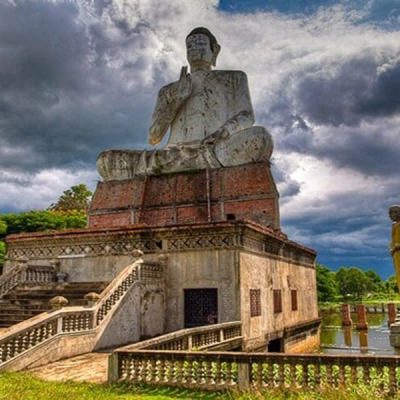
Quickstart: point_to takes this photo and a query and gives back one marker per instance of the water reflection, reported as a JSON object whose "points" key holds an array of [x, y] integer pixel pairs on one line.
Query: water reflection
{"points": [[336, 339]]}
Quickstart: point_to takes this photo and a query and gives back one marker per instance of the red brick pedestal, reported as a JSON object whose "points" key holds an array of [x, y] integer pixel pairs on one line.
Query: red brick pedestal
{"points": [[246, 192]]}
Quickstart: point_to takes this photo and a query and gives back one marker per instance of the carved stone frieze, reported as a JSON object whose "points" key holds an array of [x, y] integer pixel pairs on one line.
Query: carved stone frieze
{"points": [[191, 237]]}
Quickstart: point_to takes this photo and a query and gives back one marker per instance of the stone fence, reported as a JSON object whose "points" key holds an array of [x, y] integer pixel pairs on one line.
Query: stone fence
{"points": [[24, 273], [225, 370], [23, 343], [224, 335]]}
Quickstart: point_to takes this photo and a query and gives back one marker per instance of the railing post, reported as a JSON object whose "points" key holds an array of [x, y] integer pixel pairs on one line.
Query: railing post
{"points": [[24, 270], [113, 368], [243, 375], [221, 335], [59, 324], [190, 342]]}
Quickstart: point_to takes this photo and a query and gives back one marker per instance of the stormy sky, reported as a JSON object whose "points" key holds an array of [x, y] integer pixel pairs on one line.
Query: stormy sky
{"points": [[81, 76]]}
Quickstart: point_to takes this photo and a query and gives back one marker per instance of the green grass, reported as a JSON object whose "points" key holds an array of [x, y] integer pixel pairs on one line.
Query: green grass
{"points": [[22, 386]]}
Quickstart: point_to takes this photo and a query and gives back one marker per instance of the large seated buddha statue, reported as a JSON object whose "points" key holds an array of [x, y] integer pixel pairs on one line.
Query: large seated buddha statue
{"points": [[210, 118]]}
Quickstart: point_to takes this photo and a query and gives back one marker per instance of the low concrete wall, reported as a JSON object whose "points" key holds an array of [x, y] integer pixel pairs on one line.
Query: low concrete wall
{"points": [[57, 348], [139, 314]]}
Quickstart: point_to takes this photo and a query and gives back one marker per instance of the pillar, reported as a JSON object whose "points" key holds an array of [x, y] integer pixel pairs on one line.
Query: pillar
{"points": [[392, 313], [361, 317], [346, 317]]}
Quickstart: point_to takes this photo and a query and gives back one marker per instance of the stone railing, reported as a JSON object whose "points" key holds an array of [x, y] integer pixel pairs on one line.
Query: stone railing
{"points": [[32, 333], [118, 287], [42, 328], [198, 338], [24, 273], [222, 370]]}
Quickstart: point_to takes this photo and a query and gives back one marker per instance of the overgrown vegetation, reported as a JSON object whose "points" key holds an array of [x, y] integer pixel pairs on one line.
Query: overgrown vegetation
{"points": [[353, 284], [68, 212]]}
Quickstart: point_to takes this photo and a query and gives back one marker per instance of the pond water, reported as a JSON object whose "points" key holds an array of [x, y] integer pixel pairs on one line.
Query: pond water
{"points": [[336, 339]]}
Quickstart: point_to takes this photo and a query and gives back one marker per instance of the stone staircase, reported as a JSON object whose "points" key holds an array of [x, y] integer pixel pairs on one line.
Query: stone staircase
{"points": [[29, 299]]}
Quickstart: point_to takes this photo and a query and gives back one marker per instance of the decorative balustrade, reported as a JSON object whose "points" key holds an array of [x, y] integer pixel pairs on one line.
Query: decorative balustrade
{"points": [[144, 272], [192, 338], [39, 273], [24, 273], [71, 320], [221, 370]]}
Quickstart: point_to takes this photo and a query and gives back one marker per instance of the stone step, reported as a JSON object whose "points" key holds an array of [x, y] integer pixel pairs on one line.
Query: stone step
{"points": [[30, 299]]}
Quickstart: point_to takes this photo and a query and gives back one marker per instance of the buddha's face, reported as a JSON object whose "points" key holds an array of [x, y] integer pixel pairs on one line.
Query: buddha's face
{"points": [[394, 214], [198, 50]]}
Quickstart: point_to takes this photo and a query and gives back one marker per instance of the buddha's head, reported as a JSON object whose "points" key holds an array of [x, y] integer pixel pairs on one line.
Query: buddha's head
{"points": [[202, 49], [394, 213]]}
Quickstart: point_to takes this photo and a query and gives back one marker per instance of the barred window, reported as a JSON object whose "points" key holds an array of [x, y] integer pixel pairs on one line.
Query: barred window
{"points": [[293, 294], [255, 302], [277, 301]]}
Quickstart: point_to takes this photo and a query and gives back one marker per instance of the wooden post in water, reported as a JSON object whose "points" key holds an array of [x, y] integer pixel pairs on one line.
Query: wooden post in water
{"points": [[361, 317], [392, 313], [346, 316], [348, 338], [363, 337]]}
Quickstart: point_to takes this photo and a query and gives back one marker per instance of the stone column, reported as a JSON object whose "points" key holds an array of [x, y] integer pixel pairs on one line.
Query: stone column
{"points": [[392, 313], [346, 317], [361, 317]]}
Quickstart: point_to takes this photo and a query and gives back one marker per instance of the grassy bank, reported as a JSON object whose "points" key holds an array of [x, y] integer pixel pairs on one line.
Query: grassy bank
{"points": [[21, 386]]}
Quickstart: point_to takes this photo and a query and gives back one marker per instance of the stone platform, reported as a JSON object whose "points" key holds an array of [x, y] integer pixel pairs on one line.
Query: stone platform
{"points": [[246, 192]]}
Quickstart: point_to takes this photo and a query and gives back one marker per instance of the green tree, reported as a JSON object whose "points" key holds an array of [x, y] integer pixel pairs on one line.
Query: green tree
{"points": [[352, 281], [34, 221], [326, 284], [391, 286], [75, 198], [341, 280], [374, 281], [2, 254], [3, 230]]}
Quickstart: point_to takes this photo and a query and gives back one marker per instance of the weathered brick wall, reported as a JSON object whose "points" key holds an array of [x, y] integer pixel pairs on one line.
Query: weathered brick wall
{"points": [[244, 192]]}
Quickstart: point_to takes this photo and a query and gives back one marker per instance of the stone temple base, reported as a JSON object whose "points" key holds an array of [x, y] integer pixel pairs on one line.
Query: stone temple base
{"points": [[239, 269], [246, 192]]}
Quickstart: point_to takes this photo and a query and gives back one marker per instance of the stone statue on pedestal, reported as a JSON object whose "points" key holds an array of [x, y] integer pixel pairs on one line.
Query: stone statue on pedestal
{"points": [[210, 117], [394, 215]]}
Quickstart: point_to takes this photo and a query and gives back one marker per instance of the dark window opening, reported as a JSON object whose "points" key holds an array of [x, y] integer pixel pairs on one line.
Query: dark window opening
{"points": [[230, 217], [201, 307], [275, 346], [293, 294], [277, 301], [255, 302]]}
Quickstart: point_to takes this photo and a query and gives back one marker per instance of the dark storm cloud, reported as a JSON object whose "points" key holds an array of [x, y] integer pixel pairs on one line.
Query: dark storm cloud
{"points": [[360, 90], [343, 111], [63, 97], [383, 96]]}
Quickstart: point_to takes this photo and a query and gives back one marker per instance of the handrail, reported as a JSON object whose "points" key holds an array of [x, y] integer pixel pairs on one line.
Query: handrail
{"points": [[31, 333], [221, 370], [199, 337], [23, 273], [11, 279]]}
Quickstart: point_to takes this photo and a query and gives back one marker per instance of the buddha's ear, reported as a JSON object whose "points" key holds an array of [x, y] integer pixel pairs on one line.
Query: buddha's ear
{"points": [[216, 50]]}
